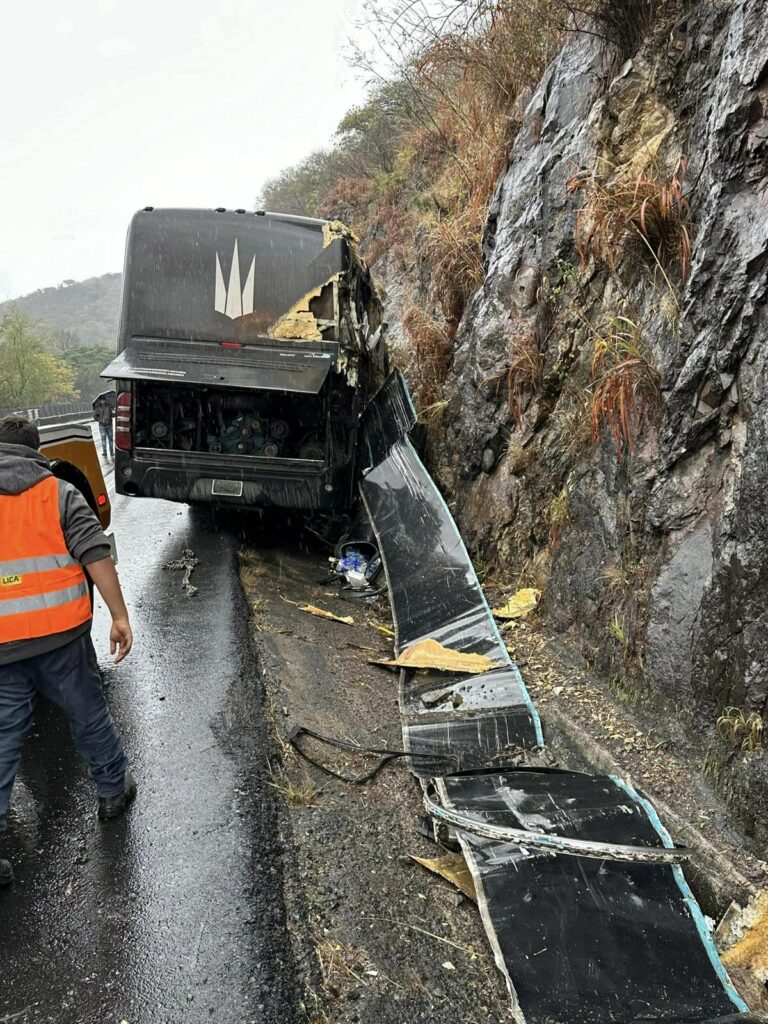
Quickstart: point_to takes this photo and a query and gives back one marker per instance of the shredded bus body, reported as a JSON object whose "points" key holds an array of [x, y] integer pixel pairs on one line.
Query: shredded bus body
{"points": [[249, 345]]}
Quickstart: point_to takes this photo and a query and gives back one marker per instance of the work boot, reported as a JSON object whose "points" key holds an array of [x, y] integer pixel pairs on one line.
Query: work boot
{"points": [[114, 806], [6, 873]]}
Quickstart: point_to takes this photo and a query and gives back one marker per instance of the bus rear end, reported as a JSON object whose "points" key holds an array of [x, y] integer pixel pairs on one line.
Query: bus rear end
{"points": [[249, 343]]}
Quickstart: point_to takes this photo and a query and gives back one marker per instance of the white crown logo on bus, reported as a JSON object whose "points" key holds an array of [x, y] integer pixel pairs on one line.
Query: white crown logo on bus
{"points": [[231, 300]]}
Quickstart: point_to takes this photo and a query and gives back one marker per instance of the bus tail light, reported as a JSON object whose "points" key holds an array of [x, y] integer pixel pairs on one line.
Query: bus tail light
{"points": [[123, 439]]}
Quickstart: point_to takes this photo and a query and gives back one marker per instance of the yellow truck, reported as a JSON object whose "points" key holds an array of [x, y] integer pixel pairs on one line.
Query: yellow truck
{"points": [[71, 450]]}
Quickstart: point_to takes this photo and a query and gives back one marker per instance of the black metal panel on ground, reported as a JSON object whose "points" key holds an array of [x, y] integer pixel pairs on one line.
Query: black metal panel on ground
{"points": [[303, 368], [436, 595], [469, 740], [583, 940], [427, 694], [474, 720], [433, 587]]}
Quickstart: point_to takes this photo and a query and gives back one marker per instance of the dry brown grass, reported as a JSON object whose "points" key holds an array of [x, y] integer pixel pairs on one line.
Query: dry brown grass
{"points": [[452, 248], [525, 369], [625, 383], [625, 23], [558, 517], [298, 792], [340, 965], [433, 352], [472, 72], [742, 729], [496, 47], [469, 68], [650, 210], [522, 374], [520, 459], [574, 420], [620, 579]]}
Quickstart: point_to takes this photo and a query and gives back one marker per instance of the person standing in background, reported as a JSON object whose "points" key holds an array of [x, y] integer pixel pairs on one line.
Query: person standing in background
{"points": [[103, 415]]}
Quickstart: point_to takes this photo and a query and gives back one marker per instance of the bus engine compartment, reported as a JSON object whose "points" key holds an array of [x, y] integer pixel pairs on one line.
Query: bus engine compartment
{"points": [[253, 424]]}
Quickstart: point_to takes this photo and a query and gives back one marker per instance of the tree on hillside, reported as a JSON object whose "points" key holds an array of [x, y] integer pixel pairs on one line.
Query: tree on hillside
{"points": [[370, 136], [28, 374], [300, 189], [366, 146], [65, 340], [86, 363]]}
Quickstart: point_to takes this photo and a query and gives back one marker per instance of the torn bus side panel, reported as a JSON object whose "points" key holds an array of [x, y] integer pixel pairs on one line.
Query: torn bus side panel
{"points": [[586, 940], [465, 741], [473, 720], [434, 591], [388, 418], [362, 329], [436, 596]]}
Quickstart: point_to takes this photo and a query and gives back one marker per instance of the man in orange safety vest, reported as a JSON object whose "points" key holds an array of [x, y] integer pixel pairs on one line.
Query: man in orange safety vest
{"points": [[49, 540]]}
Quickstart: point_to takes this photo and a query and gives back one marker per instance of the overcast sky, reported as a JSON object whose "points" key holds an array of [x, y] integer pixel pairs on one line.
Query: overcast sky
{"points": [[109, 106]]}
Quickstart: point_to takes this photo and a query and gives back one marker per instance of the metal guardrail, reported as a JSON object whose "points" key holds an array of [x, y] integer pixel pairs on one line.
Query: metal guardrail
{"points": [[63, 412]]}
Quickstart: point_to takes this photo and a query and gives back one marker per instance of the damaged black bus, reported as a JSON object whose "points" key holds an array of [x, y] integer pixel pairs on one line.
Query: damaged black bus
{"points": [[248, 346]]}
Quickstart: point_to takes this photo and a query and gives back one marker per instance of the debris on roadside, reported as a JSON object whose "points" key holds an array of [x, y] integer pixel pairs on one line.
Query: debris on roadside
{"points": [[321, 613], [356, 567], [383, 754], [429, 654], [560, 839], [384, 630], [433, 698], [531, 832], [453, 868], [339, 963], [188, 562], [519, 605], [742, 939]]}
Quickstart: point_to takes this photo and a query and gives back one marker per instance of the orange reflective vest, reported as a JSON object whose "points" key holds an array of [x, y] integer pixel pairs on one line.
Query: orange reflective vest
{"points": [[42, 588]]}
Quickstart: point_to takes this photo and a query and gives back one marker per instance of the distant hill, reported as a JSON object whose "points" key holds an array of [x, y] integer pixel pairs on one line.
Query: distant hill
{"points": [[88, 309]]}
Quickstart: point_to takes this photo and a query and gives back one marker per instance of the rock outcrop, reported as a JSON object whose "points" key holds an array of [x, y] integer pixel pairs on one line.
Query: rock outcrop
{"points": [[653, 552]]}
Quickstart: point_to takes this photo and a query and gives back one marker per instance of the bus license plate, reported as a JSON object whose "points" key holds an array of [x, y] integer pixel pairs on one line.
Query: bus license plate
{"points": [[228, 488]]}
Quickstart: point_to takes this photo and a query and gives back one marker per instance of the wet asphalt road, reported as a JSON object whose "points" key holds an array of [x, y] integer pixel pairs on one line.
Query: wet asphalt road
{"points": [[175, 913]]}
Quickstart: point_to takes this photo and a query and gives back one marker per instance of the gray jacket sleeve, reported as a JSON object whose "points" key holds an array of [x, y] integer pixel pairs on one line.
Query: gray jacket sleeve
{"points": [[82, 530]]}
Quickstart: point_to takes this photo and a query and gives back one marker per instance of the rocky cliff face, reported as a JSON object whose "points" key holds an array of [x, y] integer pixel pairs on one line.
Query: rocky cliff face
{"points": [[651, 544]]}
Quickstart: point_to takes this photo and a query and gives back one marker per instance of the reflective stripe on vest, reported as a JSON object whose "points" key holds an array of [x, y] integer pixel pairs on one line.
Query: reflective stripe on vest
{"points": [[51, 599], [38, 564], [43, 590]]}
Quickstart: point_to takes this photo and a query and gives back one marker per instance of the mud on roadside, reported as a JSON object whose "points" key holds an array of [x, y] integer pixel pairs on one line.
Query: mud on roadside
{"points": [[378, 938]]}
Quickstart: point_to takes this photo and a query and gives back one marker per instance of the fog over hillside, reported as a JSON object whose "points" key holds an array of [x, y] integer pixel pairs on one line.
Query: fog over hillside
{"points": [[88, 309]]}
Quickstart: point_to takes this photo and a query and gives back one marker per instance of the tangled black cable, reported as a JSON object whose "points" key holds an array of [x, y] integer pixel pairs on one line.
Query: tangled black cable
{"points": [[386, 755]]}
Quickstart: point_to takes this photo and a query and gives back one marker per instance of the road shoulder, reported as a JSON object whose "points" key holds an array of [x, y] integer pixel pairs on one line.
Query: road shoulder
{"points": [[379, 938]]}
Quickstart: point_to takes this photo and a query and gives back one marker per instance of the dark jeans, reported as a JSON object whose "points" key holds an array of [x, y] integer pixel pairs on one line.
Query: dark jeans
{"points": [[68, 676], [105, 429]]}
